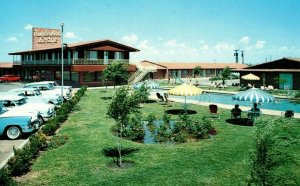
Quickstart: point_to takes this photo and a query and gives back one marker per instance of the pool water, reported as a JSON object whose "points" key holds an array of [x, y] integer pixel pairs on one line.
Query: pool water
{"points": [[280, 105]]}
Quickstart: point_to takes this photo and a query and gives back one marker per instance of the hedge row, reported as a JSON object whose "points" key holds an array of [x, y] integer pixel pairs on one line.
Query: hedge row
{"points": [[20, 163]]}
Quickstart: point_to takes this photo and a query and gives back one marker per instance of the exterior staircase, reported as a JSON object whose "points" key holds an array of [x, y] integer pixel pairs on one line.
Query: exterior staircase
{"points": [[140, 74]]}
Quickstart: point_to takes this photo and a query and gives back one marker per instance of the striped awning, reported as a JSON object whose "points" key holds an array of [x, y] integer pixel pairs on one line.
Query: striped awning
{"points": [[185, 90], [254, 95]]}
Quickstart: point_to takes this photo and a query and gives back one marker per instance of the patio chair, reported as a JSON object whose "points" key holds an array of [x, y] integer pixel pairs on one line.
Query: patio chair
{"points": [[160, 97], [166, 96], [288, 113], [236, 112], [214, 111]]}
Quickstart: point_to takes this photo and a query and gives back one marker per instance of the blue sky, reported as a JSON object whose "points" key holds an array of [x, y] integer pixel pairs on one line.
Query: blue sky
{"points": [[164, 30]]}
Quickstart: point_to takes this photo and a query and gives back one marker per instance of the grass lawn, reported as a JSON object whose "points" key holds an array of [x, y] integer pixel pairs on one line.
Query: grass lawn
{"points": [[220, 160]]}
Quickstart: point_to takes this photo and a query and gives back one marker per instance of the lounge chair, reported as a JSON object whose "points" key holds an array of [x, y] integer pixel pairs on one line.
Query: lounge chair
{"points": [[160, 97], [214, 111], [166, 96]]}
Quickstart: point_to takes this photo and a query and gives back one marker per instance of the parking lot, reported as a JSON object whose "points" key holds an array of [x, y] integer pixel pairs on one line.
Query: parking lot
{"points": [[6, 146]]}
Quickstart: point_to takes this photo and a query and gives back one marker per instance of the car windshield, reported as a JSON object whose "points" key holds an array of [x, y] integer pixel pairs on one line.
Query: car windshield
{"points": [[2, 108], [20, 101], [37, 92]]}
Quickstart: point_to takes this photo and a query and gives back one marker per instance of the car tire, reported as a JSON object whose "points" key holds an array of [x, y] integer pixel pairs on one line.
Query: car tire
{"points": [[13, 132]]}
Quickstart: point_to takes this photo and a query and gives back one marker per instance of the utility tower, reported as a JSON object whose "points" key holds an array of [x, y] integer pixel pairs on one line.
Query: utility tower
{"points": [[236, 55], [242, 54]]}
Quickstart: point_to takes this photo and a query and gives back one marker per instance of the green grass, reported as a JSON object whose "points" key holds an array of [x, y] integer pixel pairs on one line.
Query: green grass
{"points": [[220, 160]]}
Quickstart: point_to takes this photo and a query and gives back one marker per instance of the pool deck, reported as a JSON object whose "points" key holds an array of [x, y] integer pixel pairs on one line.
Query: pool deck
{"points": [[224, 106]]}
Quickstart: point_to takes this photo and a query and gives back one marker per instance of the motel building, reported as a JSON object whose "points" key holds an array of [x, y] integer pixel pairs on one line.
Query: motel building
{"points": [[84, 62], [164, 70]]}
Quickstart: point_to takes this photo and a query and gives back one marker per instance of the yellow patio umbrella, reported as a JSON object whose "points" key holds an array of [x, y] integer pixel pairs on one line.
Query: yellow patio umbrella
{"points": [[185, 90], [250, 77]]}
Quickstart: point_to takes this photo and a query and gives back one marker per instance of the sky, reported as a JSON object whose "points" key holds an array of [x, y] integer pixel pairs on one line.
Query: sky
{"points": [[163, 30]]}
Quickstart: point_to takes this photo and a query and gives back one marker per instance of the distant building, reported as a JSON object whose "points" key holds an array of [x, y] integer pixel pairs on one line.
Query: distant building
{"points": [[84, 62], [185, 70], [282, 73]]}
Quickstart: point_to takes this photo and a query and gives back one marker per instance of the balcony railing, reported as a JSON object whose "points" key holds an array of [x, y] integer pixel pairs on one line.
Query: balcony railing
{"points": [[71, 62]]}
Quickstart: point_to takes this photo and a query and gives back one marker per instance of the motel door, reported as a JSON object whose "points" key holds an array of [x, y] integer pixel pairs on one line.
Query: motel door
{"points": [[288, 84], [105, 58]]}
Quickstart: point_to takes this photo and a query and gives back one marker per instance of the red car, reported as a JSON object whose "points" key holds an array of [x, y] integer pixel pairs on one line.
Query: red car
{"points": [[9, 77]]}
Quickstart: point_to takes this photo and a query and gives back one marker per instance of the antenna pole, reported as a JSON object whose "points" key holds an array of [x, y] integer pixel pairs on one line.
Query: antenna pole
{"points": [[236, 56]]}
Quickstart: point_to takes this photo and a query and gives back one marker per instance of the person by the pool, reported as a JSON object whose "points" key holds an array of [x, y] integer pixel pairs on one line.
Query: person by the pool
{"points": [[255, 111], [236, 111]]}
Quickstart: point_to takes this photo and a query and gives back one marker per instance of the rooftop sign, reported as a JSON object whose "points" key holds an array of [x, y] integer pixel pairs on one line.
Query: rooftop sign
{"points": [[45, 38]]}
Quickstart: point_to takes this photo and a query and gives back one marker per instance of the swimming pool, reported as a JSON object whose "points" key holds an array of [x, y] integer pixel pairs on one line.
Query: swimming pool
{"points": [[281, 105]]}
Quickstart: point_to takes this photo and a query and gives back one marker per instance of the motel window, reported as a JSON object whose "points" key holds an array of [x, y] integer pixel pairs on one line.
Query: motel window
{"points": [[89, 76], [46, 56], [119, 55], [93, 55], [75, 76], [53, 55]]}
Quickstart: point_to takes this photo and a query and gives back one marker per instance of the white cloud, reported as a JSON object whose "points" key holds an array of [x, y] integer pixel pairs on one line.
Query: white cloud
{"points": [[224, 46], [28, 27], [244, 40], [204, 48], [70, 35], [173, 44], [284, 48], [201, 41], [130, 39], [260, 44], [12, 39]]}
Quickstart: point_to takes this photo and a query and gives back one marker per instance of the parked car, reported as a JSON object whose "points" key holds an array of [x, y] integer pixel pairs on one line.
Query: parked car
{"points": [[16, 102], [10, 78], [57, 86], [47, 88], [35, 94], [14, 123]]}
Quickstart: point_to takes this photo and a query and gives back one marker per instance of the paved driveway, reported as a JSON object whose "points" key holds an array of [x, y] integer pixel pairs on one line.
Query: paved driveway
{"points": [[6, 146]]}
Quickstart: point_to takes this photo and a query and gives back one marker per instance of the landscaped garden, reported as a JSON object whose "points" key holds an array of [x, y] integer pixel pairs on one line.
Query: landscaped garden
{"points": [[221, 159]]}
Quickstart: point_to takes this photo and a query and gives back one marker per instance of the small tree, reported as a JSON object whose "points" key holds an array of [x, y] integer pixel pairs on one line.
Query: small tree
{"points": [[271, 158], [122, 104], [197, 70], [116, 72], [225, 74], [142, 93]]}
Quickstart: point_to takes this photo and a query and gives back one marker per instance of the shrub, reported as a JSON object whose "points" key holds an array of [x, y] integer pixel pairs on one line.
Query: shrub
{"points": [[151, 118], [271, 157], [58, 141], [5, 178], [181, 137], [137, 131], [37, 142], [20, 163]]}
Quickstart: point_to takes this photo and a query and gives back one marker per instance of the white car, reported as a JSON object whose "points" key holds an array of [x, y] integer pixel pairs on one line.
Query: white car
{"points": [[35, 94], [34, 115], [57, 86], [47, 88], [19, 103]]}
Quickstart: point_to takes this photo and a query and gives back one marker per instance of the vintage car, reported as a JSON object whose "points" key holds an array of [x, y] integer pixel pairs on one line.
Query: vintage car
{"points": [[14, 123], [35, 94], [10, 78], [57, 86], [47, 111], [47, 88]]}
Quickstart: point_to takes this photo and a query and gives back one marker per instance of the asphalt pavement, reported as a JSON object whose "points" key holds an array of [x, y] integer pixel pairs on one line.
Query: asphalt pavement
{"points": [[6, 146]]}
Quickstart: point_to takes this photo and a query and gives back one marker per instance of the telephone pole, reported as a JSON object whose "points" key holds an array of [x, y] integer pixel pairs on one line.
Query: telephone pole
{"points": [[242, 54], [236, 56]]}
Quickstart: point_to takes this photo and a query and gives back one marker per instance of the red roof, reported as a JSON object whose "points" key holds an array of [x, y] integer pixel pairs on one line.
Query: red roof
{"points": [[74, 45], [6, 65], [185, 65]]}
